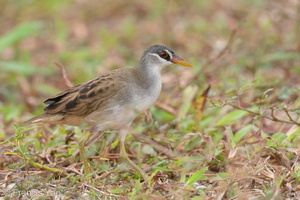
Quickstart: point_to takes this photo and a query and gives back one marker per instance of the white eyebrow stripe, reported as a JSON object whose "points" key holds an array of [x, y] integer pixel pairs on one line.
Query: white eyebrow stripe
{"points": [[154, 54], [170, 54]]}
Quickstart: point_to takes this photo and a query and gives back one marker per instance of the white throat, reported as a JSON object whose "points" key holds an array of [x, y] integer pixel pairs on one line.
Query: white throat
{"points": [[162, 62]]}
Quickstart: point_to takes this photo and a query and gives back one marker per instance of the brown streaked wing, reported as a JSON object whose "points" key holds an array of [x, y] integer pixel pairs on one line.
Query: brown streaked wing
{"points": [[85, 98], [61, 95]]}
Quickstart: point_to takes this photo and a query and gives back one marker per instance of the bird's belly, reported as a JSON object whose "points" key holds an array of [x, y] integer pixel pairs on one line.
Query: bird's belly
{"points": [[122, 111], [143, 103], [117, 116], [144, 99]]}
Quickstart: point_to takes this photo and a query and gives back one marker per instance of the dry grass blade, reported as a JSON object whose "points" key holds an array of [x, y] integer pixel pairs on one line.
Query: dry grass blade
{"points": [[157, 146], [103, 193], [167, 108], [248, 51], [64, 73]]}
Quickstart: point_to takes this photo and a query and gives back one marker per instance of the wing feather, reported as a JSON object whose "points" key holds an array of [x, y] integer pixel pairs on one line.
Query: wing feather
{"points": [[85, 98]]}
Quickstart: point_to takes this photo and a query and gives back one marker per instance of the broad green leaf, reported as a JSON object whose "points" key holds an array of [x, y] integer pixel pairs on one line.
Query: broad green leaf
{"points": [[231, 118], [2, 136], [18, 33], [46, 88], [10, 111], [29, 129], [147, 149], [114, 144], [281, 56], [16, 148], [277, 139], [188, 95], [161, 115], [223, 175], [162, 169], [279, 136], [117, 190], [182, 177], [23, 149], [196, 176], [17, 67], [230, 136], [292, 135], [241, 133], [36, 143], [161, 163]]}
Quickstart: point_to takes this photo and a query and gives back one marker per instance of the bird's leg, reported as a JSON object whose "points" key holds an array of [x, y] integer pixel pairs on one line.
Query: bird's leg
{"points": [[124, 155], [87, 169], [89, 139]]}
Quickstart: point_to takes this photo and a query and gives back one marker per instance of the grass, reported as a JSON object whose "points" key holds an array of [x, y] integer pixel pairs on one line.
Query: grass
{"points": [[242, 143]]}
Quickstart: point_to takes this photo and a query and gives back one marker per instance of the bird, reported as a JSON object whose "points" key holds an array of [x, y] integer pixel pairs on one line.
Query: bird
{"points": [[113, 100]]}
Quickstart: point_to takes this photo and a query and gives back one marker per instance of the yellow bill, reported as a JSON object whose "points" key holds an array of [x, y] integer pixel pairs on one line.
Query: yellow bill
{"points": [[178, 60]]}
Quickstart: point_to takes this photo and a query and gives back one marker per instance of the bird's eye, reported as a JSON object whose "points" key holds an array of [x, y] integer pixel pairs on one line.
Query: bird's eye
{"points": [[164, 55]]}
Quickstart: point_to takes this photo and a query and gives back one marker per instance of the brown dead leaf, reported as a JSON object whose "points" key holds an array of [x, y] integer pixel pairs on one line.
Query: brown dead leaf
{"points": [[167, 108], [199, 105], [282, 160]]}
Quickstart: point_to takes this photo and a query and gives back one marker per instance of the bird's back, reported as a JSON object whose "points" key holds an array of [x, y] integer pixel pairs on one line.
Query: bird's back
{"points": [[72, 106]]}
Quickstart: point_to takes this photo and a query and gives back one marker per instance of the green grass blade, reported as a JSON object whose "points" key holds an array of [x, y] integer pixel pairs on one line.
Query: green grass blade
{"points": [[196, 176], [18, 33]]}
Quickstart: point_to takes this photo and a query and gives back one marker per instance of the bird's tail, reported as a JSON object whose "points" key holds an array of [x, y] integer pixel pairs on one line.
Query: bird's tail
{"points": [[44, 118]]}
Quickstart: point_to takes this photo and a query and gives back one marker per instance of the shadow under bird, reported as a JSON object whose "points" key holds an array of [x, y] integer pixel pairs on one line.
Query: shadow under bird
{"points": [[113, 100]]}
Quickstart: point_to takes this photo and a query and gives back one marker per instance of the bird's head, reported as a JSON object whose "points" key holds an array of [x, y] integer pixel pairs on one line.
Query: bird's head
{"points": [[162, 56]]}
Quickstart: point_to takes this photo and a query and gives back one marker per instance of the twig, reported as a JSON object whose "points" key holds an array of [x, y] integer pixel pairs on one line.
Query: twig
{"points": [[272, 113], [155, 145], [54, 170], [104, 174], [273, 118], [104, 193], [73, 169], [289, 116], [218, 56], [64, 73], [221, 53]]}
